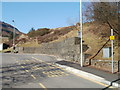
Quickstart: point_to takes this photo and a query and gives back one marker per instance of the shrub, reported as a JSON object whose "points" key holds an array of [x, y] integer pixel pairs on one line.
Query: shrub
{"points": [[39, 32]]}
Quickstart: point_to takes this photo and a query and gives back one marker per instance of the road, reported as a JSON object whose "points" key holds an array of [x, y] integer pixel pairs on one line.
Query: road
{"points": [[39, 71]]}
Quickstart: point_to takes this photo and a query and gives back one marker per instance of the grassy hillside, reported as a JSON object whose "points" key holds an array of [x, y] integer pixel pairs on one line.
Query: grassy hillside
{"points": [[94, 35]]}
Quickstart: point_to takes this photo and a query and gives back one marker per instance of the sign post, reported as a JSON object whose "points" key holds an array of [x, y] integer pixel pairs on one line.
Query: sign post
{"points": [[112, 38]]}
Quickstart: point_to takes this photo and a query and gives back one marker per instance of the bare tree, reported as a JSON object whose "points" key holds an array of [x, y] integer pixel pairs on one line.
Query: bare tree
{"points": [[103, 13]]}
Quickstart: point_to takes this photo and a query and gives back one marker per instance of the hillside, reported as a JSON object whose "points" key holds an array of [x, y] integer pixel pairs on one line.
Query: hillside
{"points": [[43, 35], [94, 35], [7, 30]]}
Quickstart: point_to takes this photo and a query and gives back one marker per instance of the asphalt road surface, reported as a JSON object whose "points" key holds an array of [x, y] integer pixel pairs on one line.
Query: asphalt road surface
{"points": [[39, 71]]}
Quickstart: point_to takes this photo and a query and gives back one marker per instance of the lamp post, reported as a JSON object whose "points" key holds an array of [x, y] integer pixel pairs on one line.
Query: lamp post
{"points": [[81, 47], [14, 35]]}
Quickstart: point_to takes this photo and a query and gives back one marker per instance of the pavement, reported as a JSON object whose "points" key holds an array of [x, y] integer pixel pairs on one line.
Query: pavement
{"points": [[91, 72], [42, 71]]}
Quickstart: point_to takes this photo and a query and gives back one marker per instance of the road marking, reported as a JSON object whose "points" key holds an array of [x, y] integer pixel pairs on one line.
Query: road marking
{"points": [[43, 86], [38, 59], [33, 76], [18, 62], [36, 68], [76, 74], [92, 80], [56, 66], [61, 74], [34, 60], [22, 66], [48, 63], [26, 70], [55, 73], [27, 60]]}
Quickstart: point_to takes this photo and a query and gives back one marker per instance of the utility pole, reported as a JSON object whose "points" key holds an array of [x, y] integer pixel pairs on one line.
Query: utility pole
{"points": [[14, 35], [81, 48]]}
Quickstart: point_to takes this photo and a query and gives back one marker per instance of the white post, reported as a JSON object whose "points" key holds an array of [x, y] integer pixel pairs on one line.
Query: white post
{"points": [[112, 52], [81, 51]]}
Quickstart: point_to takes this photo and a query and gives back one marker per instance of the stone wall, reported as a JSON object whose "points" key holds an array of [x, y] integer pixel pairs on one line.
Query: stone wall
{"points": [[68, 49], [105, 65]]}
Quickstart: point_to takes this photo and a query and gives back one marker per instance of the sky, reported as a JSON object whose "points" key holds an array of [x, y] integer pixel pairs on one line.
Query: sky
{"points": [[40, 14]]}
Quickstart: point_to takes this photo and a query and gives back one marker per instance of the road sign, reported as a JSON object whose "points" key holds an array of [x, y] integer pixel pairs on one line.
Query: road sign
{"points": [[112, 37]]}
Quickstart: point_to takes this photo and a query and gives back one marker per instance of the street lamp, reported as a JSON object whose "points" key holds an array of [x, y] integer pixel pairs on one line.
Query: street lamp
{"points": [[14, 35], [81, 48]]}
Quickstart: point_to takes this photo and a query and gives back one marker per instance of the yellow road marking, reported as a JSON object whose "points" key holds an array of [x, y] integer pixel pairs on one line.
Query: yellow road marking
{"points": [[55, 66], [58, 72], [39, 68], [27, 60], [36, 68], [52, 66], [48, 63], [75, 74], [37, 59], [67, 74], [51, 72], [26, 70], [43, 67], [92, 80], [43, 86], [55, 73], [22, 66], [33, 76], [34, 60]]}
